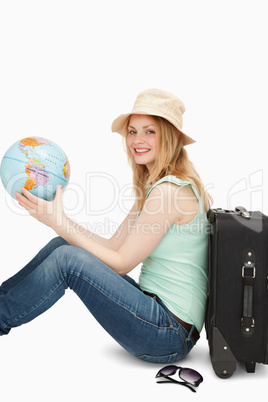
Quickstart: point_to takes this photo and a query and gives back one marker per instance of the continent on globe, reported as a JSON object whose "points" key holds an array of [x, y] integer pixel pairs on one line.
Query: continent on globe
{"points": [[32, 142], [36, 177], [66, 169], [37, 164]]}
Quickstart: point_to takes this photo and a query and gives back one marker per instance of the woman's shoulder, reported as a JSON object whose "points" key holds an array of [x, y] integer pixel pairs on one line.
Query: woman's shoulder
{"points": [[179, 201]]}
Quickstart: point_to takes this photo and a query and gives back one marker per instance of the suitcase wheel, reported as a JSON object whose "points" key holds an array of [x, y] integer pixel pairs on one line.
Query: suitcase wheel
{"points": [[250, 367]]}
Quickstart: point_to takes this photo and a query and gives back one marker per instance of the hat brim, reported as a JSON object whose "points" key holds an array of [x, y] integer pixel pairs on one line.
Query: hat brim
{"points": [[119, 125]]}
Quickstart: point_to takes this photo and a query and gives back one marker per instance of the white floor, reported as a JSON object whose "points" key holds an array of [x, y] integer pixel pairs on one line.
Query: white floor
{"points": [[65, 355]]}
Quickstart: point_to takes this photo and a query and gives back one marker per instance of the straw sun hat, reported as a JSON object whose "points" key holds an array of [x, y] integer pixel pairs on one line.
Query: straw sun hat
{"points": [[155, 102]]}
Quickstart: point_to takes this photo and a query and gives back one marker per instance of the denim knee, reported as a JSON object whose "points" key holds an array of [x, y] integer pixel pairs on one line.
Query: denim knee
{"points": [[58, 242]]}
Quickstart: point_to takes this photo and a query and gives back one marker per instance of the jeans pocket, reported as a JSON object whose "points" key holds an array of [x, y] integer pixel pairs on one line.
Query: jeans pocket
{"points": [[160, 359]]}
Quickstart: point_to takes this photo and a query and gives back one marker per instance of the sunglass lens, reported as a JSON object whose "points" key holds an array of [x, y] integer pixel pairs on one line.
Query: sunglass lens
{"points": [[191, 376], [168, 370]]}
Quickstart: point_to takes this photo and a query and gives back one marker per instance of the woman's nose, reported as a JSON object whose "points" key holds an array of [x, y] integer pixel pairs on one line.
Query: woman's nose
{"points": [[139, 139]]}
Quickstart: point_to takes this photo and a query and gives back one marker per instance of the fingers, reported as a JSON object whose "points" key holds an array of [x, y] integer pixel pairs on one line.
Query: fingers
{"points": [[26, 204], [59, 192], [24, 199], [29, 195], [37, 200], [28, 201], [46, 212]]}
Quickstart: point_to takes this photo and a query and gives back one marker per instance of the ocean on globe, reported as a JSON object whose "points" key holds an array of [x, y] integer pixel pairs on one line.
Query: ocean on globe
{"points": [[37, 164]]}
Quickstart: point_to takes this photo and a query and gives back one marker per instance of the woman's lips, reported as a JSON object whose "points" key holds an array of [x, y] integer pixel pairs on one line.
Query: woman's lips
{"points": [[141, 151]]}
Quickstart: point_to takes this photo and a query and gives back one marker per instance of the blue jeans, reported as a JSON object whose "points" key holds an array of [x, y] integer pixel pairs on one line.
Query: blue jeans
{"points": [[139, 323]]}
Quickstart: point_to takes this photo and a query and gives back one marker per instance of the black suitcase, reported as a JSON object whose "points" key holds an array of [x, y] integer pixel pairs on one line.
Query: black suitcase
{"points": [[237, 307]]}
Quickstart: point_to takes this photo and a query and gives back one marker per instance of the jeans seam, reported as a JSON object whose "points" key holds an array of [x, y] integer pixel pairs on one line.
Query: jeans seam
{"points": [[169, 320], [119, 304], [157, 356], [34, 307], [179, 329], [185, 342]]}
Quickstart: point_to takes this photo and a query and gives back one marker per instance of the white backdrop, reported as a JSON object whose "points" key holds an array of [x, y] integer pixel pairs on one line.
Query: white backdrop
{"points": [[67, 69]]}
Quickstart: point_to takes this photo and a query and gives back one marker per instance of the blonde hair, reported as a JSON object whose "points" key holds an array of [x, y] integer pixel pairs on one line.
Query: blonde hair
{"points": [[172, 159]]}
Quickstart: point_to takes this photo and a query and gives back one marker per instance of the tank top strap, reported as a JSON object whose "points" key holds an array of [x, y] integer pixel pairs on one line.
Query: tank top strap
{"points": [[175, 180]]}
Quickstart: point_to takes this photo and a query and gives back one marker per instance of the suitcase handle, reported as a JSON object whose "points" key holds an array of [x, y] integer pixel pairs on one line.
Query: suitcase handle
{"points": [[248, 274], [238, 210], [243, 212]]}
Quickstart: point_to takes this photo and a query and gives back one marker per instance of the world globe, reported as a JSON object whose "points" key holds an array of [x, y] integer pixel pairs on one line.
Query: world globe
{"points": [[37, 164]]}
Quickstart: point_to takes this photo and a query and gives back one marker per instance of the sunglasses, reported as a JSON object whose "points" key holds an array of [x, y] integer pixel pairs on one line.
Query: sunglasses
{"points": [[190, 377]]}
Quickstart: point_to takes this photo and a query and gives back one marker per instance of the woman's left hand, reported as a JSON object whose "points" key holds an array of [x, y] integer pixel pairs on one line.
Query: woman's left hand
{"points": [[50, 213]]}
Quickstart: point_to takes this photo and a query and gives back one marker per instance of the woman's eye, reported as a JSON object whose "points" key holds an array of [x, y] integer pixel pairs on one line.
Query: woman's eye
{"points": [[151, 132], [132, 132]]}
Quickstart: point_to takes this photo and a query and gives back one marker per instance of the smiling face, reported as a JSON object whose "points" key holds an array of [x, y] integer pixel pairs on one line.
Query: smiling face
{"points": [[142, 139]]}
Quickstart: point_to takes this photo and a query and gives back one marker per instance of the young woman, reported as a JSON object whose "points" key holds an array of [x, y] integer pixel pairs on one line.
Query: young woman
{"points": [[159, 319]]}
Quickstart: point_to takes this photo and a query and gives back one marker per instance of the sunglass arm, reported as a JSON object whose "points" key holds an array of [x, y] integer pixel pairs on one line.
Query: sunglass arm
{"points": [[175, 382]]}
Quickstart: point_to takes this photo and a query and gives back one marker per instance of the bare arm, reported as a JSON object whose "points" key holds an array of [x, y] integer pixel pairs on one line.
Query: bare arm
{"points": [[135, 239], [118, 237]]}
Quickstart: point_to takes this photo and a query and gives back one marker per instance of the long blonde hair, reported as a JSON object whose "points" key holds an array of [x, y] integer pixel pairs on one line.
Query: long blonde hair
{"points": [[172, 159]]}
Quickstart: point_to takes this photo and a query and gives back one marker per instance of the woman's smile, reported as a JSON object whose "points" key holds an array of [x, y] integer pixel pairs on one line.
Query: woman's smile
{"points": [[141, 151]]}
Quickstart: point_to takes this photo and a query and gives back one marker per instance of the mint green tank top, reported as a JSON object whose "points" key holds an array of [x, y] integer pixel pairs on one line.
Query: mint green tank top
{"points": [[176, 271]]}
